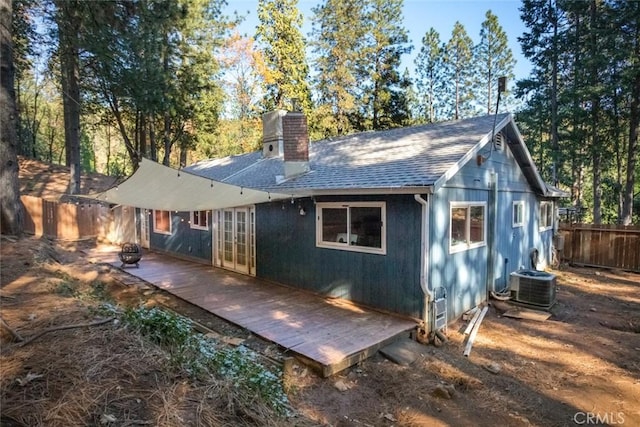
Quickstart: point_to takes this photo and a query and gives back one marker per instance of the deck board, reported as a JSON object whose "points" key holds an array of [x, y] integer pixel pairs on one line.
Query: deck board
{"points": [[328, 331]]}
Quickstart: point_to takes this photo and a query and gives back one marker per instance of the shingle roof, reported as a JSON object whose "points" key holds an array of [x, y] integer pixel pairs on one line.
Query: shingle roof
{"points": [[414, 156]]}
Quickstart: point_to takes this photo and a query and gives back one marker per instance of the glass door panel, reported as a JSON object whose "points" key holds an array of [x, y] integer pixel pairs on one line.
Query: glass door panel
{"points": [[236, 244], [227, 239], [241, 246]]}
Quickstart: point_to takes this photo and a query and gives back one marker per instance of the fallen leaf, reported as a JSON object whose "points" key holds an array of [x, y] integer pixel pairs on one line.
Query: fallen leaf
{"points": [[26, 380], [340, 385], [390, 417], [107, 418]]}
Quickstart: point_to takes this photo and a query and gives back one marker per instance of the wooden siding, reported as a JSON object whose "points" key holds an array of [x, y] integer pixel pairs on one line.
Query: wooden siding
{"points": [[69, 221], [184, 241], [462, 274], [286, 253], [465, 274], [611, 246]]}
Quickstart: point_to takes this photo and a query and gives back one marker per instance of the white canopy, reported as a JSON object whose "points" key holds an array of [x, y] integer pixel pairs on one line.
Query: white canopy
{"points": [[155, 186]]}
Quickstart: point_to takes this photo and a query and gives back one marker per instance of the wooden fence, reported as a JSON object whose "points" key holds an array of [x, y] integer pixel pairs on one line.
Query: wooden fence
{"points": [[611, 246], [69, 221]]}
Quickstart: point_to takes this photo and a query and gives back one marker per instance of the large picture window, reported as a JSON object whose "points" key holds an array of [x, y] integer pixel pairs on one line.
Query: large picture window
{"points": [[162, 222], [468, 226], [352, 226], [199, 220], [546, 215]]}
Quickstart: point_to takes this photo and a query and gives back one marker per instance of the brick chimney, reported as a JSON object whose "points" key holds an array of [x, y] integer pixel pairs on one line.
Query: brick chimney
{"points": [[285, 134], [295, 136]]}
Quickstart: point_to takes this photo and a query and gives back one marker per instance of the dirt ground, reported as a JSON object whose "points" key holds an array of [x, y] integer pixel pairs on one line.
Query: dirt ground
{"points": [[580, 367]]}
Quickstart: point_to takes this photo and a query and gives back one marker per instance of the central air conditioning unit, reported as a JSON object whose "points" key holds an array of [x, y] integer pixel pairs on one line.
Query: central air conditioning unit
{"points": [[532, 287]]}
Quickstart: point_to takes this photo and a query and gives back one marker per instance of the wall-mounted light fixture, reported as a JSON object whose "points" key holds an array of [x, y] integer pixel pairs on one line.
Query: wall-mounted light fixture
{"points": [[302, 212]]}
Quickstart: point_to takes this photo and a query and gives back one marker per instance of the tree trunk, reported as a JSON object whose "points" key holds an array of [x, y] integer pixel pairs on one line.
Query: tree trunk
{"points": [[11, 212], [166, 133], [632, 151], [143, 136], [554, 95], [166, 138], [68, 32], [456, 115], [594, 81], [153, 147], [183, 155], [133, 155]]}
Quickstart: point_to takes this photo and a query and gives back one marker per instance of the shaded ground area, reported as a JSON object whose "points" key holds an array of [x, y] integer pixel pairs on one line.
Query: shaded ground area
{"points": [[583, 362]]}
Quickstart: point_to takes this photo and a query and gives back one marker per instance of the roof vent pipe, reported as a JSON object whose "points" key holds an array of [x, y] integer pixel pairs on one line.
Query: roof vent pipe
{"points": [[272, 138]]}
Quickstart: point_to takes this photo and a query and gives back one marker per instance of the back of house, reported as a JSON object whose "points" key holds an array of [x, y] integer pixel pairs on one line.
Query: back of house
{"points": [[390, 219]]}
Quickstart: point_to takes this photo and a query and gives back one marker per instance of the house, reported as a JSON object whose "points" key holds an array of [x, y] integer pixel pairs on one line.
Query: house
{"points": [[389, 219]]}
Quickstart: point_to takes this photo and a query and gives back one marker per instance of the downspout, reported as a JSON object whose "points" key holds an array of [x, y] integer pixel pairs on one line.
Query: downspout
{"points": [[424, 261], [492, 233]]}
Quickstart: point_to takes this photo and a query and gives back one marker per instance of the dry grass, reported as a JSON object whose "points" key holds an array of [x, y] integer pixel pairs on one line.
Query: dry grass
{"points": [[105, 375], [99, 375]]}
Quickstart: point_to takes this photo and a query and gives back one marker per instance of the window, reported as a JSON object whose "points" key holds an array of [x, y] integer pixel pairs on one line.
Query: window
{"points": [[199, 220], [162, 222], [468, 226], [546, 215], [351, 226], [518, 213]]}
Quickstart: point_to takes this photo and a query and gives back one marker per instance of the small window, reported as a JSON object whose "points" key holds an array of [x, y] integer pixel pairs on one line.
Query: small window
{"points": [[162, 222], [518, 213], [546, 215], [199, 220], [351, 226], [468, 226]]}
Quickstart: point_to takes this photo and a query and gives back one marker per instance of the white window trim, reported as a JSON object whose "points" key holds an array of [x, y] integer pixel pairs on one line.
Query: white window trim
{"points": [[540, 216], [517, 203], [155, 228], [198, 227], [346, 246], [461, 247]]}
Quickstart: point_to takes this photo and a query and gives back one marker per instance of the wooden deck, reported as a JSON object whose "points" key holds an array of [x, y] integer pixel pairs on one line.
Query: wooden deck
{"points": [[330, 334]]}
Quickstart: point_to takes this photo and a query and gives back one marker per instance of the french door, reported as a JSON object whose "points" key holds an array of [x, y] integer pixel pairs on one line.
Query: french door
{"points": [[144, 228], [235, 239]]}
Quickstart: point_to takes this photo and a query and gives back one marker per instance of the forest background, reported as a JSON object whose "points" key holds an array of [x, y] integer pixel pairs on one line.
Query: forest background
{"points": [[98, 85]]}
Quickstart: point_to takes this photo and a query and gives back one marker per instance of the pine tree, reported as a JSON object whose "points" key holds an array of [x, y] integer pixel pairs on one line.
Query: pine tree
{"points": [[428, 66], [541, 45], [69, 21], [494, 59], [586, 87], [11, 213], [338, 42], [626, 17], [155, 69], [283, 48], [458, 73], [384, 101]]}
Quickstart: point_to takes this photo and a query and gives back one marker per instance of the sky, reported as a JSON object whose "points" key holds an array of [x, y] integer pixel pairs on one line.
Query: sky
{"points": [[420, 16]]}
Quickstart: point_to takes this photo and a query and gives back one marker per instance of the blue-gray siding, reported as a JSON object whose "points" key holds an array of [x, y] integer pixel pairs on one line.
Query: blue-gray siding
{"points": [[184, 241], [286, 249], [465, 275], [286, 252]]}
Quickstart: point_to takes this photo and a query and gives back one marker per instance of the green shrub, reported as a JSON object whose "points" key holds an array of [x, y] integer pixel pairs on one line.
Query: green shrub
{"points": [[66, 289], [199, 355]]}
